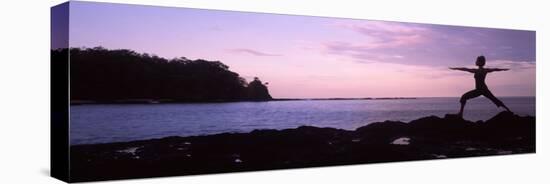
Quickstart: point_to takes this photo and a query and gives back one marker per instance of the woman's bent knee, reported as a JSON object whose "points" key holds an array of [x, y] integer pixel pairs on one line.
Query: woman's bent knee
{"points": [[463, 99]]}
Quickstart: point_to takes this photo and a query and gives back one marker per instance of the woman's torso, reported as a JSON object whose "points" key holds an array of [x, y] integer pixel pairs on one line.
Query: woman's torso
{"points": [[480, 75]]}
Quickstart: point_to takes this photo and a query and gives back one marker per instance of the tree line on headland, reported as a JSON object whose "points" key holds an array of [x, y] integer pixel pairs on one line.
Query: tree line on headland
{"points": [[102, 75]]}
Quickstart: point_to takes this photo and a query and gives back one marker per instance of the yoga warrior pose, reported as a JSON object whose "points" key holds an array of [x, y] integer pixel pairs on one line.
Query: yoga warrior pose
{"points": [[481, 88]]}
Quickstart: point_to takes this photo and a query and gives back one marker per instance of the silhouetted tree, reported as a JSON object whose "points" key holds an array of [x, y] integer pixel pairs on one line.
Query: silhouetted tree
{"points": [[257, 91]]}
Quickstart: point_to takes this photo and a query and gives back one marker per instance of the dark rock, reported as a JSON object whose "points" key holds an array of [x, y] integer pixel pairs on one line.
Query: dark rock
{"points": [[306, 146]]}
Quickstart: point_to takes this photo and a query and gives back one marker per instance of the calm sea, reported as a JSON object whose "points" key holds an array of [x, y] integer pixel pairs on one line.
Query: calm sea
{"points": [[116, 123]]}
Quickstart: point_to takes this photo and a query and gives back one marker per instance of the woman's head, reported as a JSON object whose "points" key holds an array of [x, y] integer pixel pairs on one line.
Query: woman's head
{"points": [[480, 61]]}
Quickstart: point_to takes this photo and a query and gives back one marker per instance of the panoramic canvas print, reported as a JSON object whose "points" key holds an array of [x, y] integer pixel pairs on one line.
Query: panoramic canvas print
{"points": [[159, 91]]}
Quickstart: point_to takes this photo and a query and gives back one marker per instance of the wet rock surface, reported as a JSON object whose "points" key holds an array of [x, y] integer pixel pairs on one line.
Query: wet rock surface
{"points": [[425, 138]]}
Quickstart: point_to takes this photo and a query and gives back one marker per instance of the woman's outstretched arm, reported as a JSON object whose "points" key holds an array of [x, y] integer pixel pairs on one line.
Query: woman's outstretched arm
{"points": [[496, 69], [463, 69]]}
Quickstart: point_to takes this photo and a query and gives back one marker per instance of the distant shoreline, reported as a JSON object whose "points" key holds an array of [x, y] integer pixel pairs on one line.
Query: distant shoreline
{"points": [[171, 101], [167, 101], [368, 98]]}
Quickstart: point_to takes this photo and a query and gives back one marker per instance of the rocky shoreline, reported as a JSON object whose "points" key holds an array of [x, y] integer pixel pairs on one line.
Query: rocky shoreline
{"points": [[425, 138]]}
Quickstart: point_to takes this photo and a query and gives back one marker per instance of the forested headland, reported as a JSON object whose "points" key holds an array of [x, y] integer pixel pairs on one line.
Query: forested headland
{"points": [[102, 75]]}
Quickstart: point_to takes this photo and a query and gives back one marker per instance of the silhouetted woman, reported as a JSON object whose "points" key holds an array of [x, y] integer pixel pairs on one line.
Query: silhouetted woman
{"points": [[481, 88]]}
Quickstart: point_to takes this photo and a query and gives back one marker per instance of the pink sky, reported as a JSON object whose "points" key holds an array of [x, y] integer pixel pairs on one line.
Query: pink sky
{"points": [[315, 57]]}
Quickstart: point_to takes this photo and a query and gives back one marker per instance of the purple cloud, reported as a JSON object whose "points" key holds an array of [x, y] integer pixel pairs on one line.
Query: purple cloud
{"points": [[362, 53], [381, 41], [253, 52], [435, 45], [391, 35]]}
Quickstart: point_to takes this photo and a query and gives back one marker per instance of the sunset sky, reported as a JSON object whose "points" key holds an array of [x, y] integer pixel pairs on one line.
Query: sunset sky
{"points": [[316, 57]]}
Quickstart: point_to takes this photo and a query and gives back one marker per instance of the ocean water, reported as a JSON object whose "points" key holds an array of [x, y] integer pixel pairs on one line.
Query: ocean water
{"points": [[127, 122]]}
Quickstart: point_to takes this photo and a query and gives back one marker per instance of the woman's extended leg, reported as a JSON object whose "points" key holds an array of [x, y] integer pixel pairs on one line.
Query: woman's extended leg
{"points": [[494, 99], [468, 95]]}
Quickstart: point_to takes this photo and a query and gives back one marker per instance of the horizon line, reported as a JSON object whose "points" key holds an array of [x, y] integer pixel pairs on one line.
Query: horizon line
{"points": [[305, 98]]}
